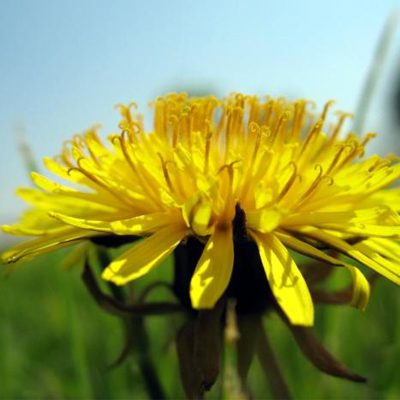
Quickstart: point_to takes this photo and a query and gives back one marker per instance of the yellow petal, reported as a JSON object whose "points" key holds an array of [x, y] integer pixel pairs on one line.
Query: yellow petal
{"points": [[213, 271], [386, 247], [361, 287], [45, 244], [144, 256], [285, 279], [264, 220], [359, 252], [34, 222], [132, 226], [389, 197], [201, 219], [365, 230], [197, 213], [63, 201]]}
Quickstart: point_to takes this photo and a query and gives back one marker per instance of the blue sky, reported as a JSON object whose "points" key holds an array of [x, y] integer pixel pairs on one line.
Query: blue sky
{"points": [[65, 64]]}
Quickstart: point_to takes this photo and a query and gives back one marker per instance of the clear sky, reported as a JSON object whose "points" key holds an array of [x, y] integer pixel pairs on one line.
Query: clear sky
{"points": [[64, 64]]}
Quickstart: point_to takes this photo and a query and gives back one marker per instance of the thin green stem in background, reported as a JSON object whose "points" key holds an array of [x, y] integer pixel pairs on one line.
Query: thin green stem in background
{"points": [[137, 331], [375, 71], [25, 149], [270, 365]]}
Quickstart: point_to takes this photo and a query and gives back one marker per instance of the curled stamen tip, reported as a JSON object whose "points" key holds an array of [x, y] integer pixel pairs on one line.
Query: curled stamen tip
{"points": [[70, 170], [293, 165], [125, 134], [231, 164], [119, 106], [133, 104], [370, 135], [330, 103], [254, 127], [173, 119], [114, 138], [265, 131], [170, 162], [228, 167], [329, 179], [319, 167]]}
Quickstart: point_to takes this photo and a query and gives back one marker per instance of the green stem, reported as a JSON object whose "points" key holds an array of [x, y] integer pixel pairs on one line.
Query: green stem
{"points": [[151, 379], [270, 365]]}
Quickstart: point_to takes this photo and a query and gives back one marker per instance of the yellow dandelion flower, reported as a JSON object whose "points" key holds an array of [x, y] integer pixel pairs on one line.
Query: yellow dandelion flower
{"points": [[223, 171]]}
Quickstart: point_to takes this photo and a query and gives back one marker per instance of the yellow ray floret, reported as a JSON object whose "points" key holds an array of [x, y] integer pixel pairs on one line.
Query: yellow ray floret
{"points": [[299, 181]]}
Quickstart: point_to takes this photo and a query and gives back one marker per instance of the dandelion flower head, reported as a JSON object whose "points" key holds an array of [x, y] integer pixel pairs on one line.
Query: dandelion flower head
{"points": [[290, 174]]}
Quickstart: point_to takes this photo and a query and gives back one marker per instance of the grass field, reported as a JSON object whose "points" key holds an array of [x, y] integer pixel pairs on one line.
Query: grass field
{"points": [[55, 343]]}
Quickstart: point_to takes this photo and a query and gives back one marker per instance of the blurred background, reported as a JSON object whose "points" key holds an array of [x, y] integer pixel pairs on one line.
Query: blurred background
{"points": [[65, 64]]}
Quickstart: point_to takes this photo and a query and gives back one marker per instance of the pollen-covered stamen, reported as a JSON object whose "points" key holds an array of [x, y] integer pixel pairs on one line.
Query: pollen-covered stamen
{"points": [[81, 169], [65, 154], [229, 194], [365, 141], [166, 173], [314, 183], [336, 130], [313, 132], [129, 123], [382, 164], [133, 130], [124, 147], [78, 141], [174, 123], [207, 149], [125, 150], [289, 183], [336, 158], [280, 128], [237, 125], [254, 114], [261, 133], [298, 117], [193, 112], [159, 117], [328, 104], [184, 131], [86, 143], [228, 132], [354, 149], [177, 180], [268, 109], [125, 111], [222, 121], [255, 128]]}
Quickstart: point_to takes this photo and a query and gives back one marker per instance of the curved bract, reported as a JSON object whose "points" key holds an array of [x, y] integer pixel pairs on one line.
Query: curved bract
{"points": [[299, 182]]}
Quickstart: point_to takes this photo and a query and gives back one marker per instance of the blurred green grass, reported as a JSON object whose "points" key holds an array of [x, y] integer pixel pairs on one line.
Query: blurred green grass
{"points": [[55, 343]]}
